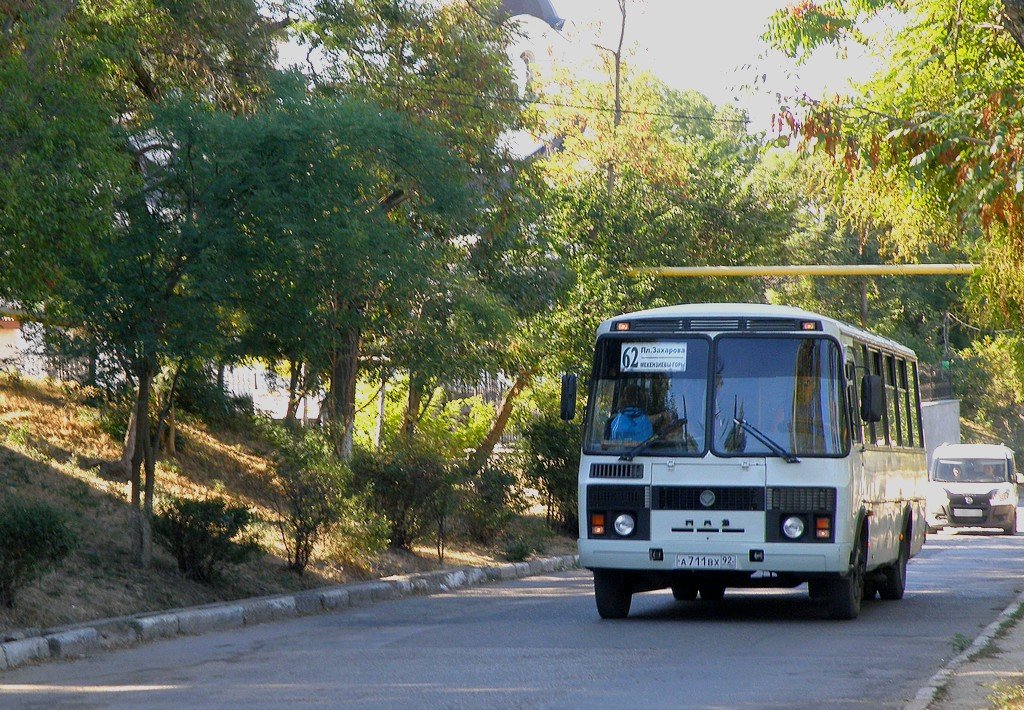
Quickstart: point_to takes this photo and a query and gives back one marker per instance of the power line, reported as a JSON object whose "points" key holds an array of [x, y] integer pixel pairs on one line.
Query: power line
{"points": [[555, 104], [983, 330]]}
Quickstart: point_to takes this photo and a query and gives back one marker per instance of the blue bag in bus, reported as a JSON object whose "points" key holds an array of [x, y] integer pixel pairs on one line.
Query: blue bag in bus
{"points": [[631, 424]]}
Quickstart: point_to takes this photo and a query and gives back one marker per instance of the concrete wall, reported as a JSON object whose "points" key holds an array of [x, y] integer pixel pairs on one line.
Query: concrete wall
{"points": [[941, 421]]}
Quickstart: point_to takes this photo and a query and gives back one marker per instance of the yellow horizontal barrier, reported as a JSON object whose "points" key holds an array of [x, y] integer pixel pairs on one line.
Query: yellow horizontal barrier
{"points": [[808, 270]]}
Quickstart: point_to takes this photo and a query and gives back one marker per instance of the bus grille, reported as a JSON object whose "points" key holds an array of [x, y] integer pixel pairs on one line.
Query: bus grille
{"points": [[617, 470], [688, 498], [811, 500], [617, 497]]}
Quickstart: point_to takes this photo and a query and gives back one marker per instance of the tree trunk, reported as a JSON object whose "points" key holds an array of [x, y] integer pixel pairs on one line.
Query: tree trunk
{"points": [[293, 388], [169, 438], [378, 434], [1013, 20], [342, 397], [140, 522], [129, 443], [412, 404], [486, 448]]}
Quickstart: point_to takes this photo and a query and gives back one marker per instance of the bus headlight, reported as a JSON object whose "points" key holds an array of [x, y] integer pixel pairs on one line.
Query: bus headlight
{"points": [[793, 527], [625, 525]]}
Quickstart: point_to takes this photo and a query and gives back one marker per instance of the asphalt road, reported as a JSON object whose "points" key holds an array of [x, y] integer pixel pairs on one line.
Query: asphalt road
{"points": [[538, 642]]}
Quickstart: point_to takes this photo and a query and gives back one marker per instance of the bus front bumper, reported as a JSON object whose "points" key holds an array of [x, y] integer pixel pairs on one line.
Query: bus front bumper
{"points": [[673, 556]]}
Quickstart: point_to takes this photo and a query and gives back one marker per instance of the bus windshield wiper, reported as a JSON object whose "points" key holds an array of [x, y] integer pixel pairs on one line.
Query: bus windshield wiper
{"points": [[766, 440], [653, 439]]}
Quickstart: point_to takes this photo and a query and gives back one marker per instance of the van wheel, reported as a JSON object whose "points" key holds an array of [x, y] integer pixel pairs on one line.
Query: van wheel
{"points": [[684, 592], [1011, 527], [895, 582], [845, 593], [613, 593]]}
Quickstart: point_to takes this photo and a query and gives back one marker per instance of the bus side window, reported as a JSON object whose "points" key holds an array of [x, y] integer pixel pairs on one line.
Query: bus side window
{"points": [[916, 394], [906, 408], [853, 406], [879, 430], [892, 403]]}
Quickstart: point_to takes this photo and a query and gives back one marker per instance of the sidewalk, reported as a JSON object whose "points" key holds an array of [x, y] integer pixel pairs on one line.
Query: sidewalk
{"points": [[988, 674], [105, 634]]}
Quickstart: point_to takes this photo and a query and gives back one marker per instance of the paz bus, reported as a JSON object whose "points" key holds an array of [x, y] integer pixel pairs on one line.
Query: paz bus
{"points": [[746, 445]]}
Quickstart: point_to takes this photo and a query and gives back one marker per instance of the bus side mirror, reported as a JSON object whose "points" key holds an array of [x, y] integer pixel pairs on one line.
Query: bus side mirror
{"points": [[568, 397], [871, 398]]}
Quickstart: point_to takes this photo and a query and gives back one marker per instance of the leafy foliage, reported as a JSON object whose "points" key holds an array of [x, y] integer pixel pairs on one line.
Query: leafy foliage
{"points": [[33, 537], [312, 493], [409, 484], [204, 535], [553, 467]]}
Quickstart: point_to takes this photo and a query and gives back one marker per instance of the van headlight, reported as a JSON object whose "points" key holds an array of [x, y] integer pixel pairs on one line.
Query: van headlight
{"points": [[1000, 496]]}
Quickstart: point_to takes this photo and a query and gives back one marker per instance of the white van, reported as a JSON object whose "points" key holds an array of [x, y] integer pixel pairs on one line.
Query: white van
{"points": [[973, 485]]}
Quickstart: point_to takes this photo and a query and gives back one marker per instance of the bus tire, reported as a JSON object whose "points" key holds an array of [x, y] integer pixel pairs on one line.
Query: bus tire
{"points": [[846, 593], [613, 593], [684, 592], [712, 592], [895, 582]]}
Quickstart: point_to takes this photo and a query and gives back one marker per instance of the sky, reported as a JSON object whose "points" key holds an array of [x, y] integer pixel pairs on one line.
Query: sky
{"points": [[712, 46]]}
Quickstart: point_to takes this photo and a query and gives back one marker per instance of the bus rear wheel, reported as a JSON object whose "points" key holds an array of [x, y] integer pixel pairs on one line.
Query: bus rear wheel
{"points": [[846, 593], [895, 583], [613, 593]]}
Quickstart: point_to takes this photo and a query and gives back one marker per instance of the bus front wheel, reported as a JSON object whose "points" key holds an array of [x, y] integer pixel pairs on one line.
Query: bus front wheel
{"points": [[846, 593], [613, 593]]}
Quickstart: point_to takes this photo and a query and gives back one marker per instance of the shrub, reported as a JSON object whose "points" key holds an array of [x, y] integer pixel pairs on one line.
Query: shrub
{"points": [[553, 466], [490, 500], [411, 486], [33, 536], [312, 494], [203, 535]]}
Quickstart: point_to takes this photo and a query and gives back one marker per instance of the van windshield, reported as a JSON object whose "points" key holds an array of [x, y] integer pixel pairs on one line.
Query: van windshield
{"points": [[970, 470]]}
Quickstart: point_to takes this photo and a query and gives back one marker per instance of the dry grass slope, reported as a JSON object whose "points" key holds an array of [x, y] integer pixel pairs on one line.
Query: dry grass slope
{"points": [[50, 436]]}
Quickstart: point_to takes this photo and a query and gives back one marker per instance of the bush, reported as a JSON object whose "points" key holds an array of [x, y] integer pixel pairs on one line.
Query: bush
{"points": [[33, 536], [410, 485], [490, 500], [311, 492], [203, 535], [553, 467]]}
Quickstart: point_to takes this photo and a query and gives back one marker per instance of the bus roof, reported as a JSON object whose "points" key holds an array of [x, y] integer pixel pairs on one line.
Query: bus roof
{"points": [[754, 310]]}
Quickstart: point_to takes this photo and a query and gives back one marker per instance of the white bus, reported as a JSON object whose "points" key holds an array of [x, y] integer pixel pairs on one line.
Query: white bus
{"points": [[743, 445]]}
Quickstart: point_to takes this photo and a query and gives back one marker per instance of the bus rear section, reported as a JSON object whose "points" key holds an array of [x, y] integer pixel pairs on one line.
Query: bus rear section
{"points": [[721, 459]]}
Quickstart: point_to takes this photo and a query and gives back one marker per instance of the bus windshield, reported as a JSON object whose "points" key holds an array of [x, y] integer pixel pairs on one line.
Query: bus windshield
{"points": [[654, 391], [970, 470], [787, 388]]}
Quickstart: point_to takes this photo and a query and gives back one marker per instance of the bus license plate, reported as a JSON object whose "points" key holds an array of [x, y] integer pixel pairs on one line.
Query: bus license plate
{"points": [[706, 561], [967, 513]]}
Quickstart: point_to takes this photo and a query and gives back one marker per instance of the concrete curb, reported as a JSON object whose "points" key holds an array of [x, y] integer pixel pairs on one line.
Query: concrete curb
{"points": [[926, 695], [84, 639]]}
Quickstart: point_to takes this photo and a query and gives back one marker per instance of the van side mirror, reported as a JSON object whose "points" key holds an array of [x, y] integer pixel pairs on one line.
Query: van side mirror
{"points": [[568, 404], [1018, 478], [871, 403]]}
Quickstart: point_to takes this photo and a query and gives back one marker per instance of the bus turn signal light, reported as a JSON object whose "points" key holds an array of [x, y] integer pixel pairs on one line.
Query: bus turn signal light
{"points": [[823, 528], [597, 524]]}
